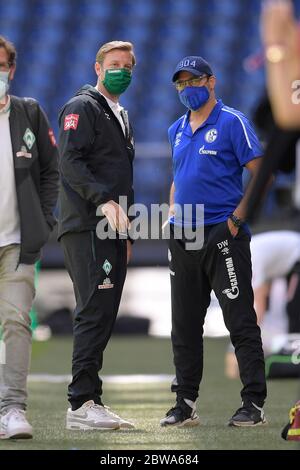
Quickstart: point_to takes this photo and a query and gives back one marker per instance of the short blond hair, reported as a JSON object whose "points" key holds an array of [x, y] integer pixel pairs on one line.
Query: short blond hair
{"points": [[109, 46]]}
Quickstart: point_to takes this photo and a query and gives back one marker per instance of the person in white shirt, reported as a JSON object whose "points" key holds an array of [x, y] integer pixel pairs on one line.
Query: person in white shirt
{"points": [[29, 186], [275, 255]]}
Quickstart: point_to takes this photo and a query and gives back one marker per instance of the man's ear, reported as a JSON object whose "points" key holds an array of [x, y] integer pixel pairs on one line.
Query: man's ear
{"points": [[12, 72], [212, 82], [98, 70]]}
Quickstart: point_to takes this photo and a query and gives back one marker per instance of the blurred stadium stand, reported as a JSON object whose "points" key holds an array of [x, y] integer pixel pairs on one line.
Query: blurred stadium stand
{"points": [[57, 41]]}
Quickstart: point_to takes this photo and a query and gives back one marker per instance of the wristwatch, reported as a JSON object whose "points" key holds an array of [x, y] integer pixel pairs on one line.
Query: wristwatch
{"points": [[235, 220]]}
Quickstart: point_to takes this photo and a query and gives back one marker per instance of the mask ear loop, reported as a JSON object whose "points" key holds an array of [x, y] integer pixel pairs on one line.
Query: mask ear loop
{"points": [[5, 86]]}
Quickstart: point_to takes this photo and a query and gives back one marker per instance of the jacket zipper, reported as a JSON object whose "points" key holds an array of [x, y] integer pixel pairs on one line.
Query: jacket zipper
{"points": [[93, 245]]}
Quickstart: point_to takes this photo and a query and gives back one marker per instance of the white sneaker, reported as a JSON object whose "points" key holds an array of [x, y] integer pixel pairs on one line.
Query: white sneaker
{"points": [[14, 425], [124, 424], [91, 417]]}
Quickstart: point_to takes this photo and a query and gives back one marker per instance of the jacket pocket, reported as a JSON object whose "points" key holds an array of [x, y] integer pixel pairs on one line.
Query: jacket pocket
{"points": [[229, 232], [240, 235], [221, 231]]}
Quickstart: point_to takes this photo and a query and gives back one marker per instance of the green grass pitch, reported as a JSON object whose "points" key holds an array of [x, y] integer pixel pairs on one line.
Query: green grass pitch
{"points": [[146, 403]]}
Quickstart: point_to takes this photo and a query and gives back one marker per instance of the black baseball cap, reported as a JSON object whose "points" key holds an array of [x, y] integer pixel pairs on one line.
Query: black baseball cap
{"points": [[194, 64]]}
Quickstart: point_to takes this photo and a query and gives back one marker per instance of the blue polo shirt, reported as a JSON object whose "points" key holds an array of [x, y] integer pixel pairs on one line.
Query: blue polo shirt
{"points": [[208, 164]]}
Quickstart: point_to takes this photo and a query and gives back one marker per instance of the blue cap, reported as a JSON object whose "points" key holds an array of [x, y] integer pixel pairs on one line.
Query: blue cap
{"points": [[194, 64]]}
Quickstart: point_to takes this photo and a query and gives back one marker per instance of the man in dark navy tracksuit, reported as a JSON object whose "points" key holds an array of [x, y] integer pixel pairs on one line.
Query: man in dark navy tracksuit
{"points": [[96, 148], [211, 144]]}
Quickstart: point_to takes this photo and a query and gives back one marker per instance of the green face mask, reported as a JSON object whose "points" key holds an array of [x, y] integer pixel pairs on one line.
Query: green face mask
{"points": [[116, 81]]}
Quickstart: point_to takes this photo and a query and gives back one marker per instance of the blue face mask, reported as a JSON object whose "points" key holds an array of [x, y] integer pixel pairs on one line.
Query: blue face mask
{"points": [[4, 84], [194, 97]]}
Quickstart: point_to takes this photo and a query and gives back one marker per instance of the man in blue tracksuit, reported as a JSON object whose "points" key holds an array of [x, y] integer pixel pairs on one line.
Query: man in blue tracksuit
{"points": [[211, 144]]}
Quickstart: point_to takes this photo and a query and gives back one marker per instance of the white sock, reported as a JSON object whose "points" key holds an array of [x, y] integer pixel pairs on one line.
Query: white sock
{"points": [[190, 403]]}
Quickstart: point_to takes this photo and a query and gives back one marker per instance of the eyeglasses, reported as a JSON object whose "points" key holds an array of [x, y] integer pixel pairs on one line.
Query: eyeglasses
{"points": [[181, 84]]}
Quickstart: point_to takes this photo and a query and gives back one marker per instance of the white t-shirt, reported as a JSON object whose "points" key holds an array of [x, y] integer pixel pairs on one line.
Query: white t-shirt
{"points": [[116, 109], [9, 212], [273, 255]]}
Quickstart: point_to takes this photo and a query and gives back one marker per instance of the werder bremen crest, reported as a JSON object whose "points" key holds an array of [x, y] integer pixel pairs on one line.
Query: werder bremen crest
{"points": [[107, 267], [29, 138]]}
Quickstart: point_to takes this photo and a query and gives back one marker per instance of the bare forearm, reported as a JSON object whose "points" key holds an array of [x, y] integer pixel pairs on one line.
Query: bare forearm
{"points": [[280, 79], [172, 191], [242, 209]]}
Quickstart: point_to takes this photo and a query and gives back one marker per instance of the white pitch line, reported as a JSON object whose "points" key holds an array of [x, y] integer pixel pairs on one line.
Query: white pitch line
{"points": [[117, 379]]}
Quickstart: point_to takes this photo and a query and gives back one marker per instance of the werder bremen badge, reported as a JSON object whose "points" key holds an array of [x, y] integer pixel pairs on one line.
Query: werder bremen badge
{"points": [[29, 138]]}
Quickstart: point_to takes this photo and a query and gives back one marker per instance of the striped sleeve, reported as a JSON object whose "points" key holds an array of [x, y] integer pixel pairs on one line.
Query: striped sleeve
{"points": [[244, 139]]}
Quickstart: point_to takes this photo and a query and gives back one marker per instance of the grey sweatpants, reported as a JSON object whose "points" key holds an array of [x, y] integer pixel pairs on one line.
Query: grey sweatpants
{"points": [[16, 296]]}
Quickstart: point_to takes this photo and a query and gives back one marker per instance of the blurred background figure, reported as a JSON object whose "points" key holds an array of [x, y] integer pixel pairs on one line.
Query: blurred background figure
{"points": [[276, 255], [275, 280], [280, 36]]}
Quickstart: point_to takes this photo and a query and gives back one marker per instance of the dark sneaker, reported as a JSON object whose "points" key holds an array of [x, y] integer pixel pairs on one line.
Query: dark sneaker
{"points": [[182, 414], [248, 415]]}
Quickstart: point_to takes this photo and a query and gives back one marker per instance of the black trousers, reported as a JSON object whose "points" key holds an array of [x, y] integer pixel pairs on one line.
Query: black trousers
{"points": [[98, 270], [224, 265], [293, 303]]}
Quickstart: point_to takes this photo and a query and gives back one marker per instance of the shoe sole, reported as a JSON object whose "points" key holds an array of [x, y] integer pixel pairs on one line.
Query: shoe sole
{"points": [[18, 435], [127, 426], [186, 423], [86, 427], [246, 425]]}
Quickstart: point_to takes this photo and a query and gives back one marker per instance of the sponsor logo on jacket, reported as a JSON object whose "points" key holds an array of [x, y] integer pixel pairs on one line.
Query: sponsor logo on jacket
{"points": [[71, 122], [204, 151], [24, 153]]}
